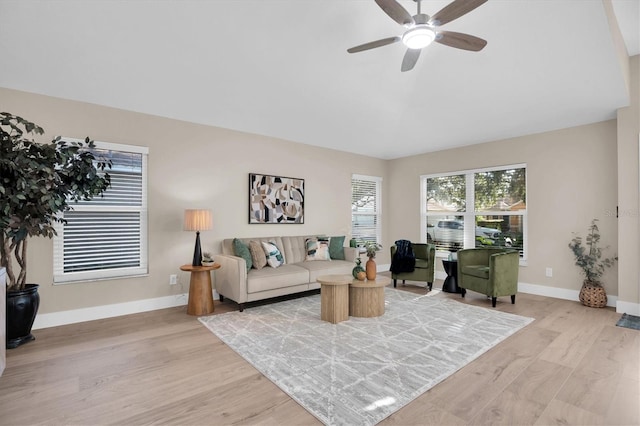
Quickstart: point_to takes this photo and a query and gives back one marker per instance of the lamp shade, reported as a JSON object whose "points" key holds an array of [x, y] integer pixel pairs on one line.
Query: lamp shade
{"points": [[197, 220]]}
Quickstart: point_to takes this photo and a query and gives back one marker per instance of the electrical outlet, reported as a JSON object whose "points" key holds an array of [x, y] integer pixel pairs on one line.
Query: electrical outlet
{"points": [[173, 279], [549, 272]]}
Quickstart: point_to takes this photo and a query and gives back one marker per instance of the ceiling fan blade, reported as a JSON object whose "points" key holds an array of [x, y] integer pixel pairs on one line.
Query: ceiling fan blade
{"points": [[374, 44], [410, 59], [460, 41], [454, 10], [395, 11]]}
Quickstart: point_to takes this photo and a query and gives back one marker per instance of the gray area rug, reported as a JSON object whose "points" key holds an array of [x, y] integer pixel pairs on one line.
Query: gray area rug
{"points": [[360, 371], [629, 321]]}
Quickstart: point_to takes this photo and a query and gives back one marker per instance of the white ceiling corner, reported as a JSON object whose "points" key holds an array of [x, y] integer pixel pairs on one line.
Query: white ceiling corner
{"points": [[280, 67]]}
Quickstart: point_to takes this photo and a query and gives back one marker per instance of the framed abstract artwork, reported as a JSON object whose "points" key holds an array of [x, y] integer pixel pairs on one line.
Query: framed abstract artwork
{"points": [[275, 199]]}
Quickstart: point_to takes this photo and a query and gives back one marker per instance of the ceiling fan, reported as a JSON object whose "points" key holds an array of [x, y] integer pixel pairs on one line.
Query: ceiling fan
{"points": [[423, 29]]}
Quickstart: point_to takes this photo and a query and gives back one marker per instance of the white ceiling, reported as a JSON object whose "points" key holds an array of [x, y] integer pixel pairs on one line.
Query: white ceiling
{"points": [[280, 67]]}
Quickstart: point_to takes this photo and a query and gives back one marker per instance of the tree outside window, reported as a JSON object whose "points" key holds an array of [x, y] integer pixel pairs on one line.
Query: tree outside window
{"points": [[476, 209]]}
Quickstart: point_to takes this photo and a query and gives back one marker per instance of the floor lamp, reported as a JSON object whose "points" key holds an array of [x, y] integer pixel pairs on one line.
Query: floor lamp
{"points": [[197, 220]]}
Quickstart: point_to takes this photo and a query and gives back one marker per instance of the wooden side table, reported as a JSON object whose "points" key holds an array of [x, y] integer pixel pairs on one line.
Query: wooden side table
{"points": [[366, 298], [200, 290], [334, 297]]}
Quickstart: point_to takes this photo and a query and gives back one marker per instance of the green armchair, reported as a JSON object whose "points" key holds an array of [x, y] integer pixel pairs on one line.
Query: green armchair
{"points": [[425, 265], [491, 271]]}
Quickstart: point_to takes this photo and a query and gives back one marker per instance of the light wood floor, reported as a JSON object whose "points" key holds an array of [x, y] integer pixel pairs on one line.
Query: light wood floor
{"points": [[572, 366]]}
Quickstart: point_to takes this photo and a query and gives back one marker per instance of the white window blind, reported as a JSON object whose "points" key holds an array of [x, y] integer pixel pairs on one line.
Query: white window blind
{"points": [[366, 215], [106, 237]]}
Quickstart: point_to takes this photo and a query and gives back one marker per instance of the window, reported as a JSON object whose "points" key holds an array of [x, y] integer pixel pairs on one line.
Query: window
{"points": [[476, 208], [366, 218], [107, 236]]}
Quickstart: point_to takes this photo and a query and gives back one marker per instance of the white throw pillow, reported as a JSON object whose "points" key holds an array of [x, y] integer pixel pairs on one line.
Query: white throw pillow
{"points": [[274, 257], [317, 249]]}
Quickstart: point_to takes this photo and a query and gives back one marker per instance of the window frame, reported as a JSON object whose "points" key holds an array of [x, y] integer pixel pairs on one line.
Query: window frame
{"points": [[470, 212], [59, 276], [377, 180]]}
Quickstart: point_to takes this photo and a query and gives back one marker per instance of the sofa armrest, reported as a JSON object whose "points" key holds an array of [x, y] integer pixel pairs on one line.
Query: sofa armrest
{"points": [[431, 249], [503, 270], [231, 278]]}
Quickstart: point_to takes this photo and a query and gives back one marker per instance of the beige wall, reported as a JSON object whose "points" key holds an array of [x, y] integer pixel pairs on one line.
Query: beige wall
{"points": [[571, 178], [628, 195], [190, 166]]}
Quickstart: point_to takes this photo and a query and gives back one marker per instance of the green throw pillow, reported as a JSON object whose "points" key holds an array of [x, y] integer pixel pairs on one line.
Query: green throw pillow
{"points": [[336, 248], [242, 250]]}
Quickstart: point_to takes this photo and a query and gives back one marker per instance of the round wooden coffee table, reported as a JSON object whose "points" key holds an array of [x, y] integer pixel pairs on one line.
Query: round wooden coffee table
{"points": [[366, 298], [334, 297]]}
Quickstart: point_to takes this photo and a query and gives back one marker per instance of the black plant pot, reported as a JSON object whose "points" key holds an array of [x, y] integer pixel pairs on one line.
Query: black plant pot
{"points": [[22, 307]]}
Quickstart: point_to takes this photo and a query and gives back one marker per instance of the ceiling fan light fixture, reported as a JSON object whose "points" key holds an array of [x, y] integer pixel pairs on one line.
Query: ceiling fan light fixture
{"points": [[418, 37]]}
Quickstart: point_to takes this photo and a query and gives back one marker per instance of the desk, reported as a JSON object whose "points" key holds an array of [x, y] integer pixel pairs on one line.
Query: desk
{"points": [[200, 290], [451, 282]]}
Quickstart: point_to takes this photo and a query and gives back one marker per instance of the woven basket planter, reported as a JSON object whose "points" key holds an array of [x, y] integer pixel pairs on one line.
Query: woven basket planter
{"points": [[593, 295]]}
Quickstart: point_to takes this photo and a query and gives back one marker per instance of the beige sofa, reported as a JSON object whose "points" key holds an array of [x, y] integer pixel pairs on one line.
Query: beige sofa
{"points": [[296, 275]]}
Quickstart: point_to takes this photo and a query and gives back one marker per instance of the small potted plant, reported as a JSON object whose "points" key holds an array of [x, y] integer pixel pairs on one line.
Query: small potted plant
{"points": [[358, 271], [370, 266], [372, 248], [589, 258], [207, 259]]}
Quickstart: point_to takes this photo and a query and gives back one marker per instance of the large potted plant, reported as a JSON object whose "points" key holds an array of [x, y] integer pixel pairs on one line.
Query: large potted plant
{"points": [[590, 259], [37, 184]]}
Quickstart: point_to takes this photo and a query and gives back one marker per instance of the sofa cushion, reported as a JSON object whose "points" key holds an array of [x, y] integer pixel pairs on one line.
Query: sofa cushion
{"points": [[336, 248], [240, 249], [274, 257], [294, 248], [326, 267], [273, 278], [317, 249], [480, 271], [258, 257]]}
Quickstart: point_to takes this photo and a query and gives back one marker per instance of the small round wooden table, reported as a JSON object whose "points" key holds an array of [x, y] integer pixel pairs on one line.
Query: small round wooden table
{"points": [[366, 298], [200, 290], [334, 297]]}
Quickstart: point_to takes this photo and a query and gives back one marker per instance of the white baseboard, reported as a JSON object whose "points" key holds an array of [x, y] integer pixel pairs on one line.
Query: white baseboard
{"points": [[107, 311], [559, 293], [566, 294], [628, 308]]}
